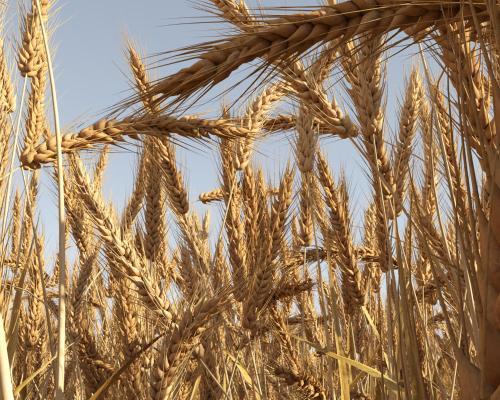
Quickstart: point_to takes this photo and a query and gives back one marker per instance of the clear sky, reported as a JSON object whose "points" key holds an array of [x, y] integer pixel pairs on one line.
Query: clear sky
{"points": [[92, 74]]}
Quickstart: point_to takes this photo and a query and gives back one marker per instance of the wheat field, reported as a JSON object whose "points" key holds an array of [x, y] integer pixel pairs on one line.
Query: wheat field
{"points": [[288, 290]]}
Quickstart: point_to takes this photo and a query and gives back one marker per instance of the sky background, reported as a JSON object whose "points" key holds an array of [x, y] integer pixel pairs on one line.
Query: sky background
{"points": [[92, 75]]}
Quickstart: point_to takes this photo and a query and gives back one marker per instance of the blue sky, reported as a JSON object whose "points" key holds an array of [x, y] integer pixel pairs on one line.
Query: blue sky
{"points": [[92, 74]]}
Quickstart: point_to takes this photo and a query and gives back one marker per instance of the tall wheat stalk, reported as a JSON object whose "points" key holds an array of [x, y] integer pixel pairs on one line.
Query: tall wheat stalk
{"points": [[61, 330], [5, 375]]}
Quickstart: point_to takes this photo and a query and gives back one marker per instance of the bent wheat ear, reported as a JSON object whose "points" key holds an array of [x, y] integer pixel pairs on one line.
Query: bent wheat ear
{"points": [[114, 132], [293, 34]]}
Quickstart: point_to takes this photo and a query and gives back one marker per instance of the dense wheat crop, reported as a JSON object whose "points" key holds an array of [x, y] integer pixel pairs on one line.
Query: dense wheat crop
{"points": [[286, 292]]}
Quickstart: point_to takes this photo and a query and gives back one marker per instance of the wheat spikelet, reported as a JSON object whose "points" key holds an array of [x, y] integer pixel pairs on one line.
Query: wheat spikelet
{"points": [[155, 230], [154, 241], [313, 95], [366, 91], [307, 138], [372, 271], [36, 123], [306, 385], [29, 215], [234, 232], [34, 335], [5, 137], [85, 273], [292, 290], [78, 222], [100, 166], [235, 12], [407, 129], [134, 203], [252, 212], [260, 280], [44, 7], [141, 79], [31, 56], [253, 120], [445, 131], [197, 246], [214, 195], [15, 224], [7, 93], [190, 327], [336, 200], [253, 308], [279, 211], [176, 191], [95, 369], [218, 194], [131, 339], [430, 160], [462, 61], [305, 233]]}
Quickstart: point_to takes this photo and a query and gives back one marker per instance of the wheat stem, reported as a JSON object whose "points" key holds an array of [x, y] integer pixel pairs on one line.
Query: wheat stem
{"points": [[61, 334], [5, 375]]}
